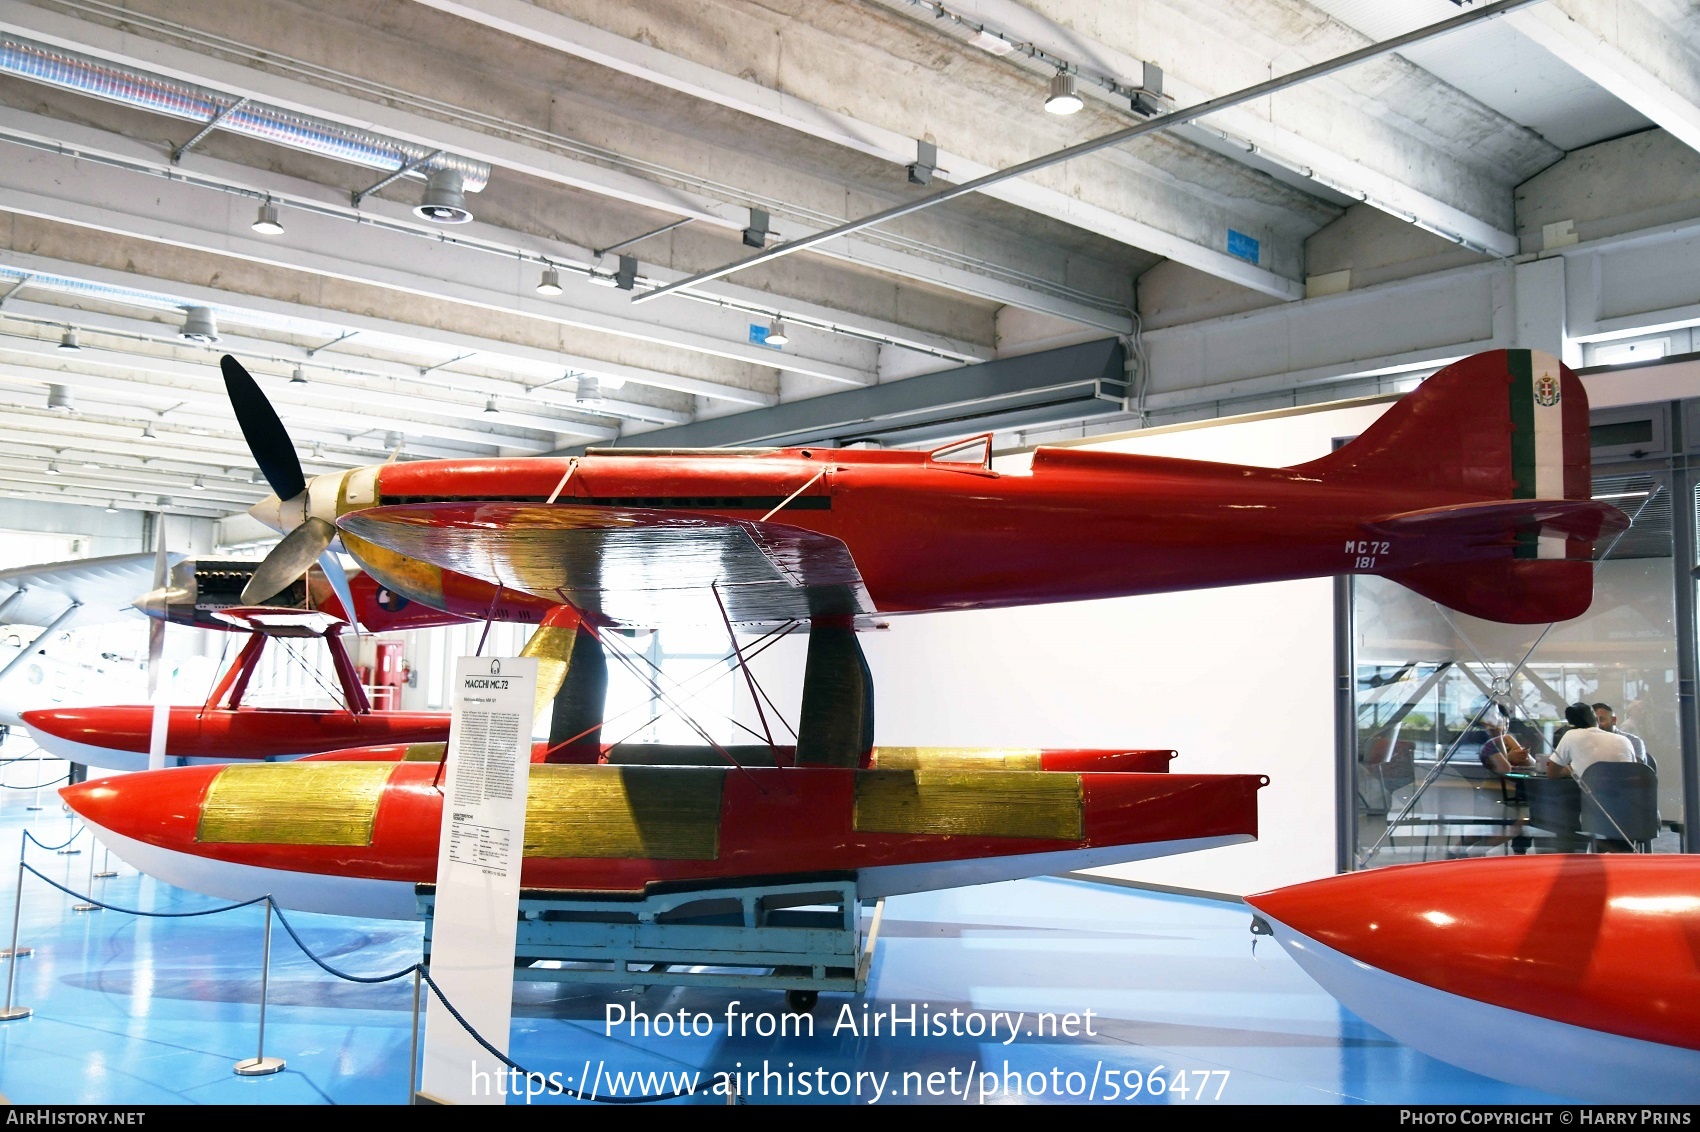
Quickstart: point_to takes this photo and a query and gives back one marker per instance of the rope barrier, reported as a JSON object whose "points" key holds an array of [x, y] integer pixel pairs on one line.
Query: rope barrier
{"points": [[28, 836], [137, 912], [700, 1087], [38, 785], [417, 968]]}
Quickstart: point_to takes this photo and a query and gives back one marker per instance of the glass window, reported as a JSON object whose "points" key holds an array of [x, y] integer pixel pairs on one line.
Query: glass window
{"points": [[1456, 718]]}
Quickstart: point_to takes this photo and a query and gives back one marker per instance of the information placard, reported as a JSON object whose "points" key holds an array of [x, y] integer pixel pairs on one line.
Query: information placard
{"points": [[478, 865]]}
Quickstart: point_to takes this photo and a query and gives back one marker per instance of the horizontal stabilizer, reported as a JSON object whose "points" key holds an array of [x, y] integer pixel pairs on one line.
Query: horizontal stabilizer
{"points": [[1506, 522]]}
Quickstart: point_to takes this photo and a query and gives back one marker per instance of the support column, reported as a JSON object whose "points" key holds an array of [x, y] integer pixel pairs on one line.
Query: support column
{"points": [[1538, 294], [837, 723]]}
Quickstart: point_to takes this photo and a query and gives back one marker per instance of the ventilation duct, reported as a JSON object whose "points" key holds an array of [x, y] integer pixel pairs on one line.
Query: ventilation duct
{"points": [[68, 71]]}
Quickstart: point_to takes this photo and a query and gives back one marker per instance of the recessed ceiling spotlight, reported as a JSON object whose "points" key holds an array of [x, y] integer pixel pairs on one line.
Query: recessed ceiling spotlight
{"points": [[776, 335], [445, 200], [199, 325], [59, 398], [68, 340], [550, 283], [298, 377], [1062, 99], [267, 223], [490, 406]]}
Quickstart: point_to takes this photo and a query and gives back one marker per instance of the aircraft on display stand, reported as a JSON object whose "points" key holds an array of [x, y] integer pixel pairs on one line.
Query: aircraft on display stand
{"points": [[1473, 490]]}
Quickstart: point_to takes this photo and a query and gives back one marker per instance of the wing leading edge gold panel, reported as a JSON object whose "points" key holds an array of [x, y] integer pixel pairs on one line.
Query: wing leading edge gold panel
{"points": [[294, 804], [972, 803]]}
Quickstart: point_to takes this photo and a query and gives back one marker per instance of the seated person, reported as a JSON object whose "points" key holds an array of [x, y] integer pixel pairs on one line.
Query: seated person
{"points": [[1608, 721], [1584, 744], [1503, 754]]}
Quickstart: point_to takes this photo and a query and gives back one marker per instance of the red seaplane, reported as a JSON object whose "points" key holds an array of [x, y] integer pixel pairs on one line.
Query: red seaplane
{"points": [[1473, 490], [205, 593]]}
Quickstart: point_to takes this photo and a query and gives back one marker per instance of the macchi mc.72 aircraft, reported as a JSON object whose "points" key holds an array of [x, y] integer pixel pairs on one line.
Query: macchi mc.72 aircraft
{"points": [[1473, 490]]}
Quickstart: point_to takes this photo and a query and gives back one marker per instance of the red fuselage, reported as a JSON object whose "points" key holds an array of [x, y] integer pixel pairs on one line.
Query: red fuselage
{"points": [[928, 536]]}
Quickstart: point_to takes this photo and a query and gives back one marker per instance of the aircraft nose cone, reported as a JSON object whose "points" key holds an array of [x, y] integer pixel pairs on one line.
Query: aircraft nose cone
{"points": [[157, 603], [269, 511]]}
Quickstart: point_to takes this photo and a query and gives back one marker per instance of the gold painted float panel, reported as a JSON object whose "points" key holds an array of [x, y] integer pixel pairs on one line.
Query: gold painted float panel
{"points": [[659, 813], [971, 803], [424, 752], [957, 758], [293, 804]]}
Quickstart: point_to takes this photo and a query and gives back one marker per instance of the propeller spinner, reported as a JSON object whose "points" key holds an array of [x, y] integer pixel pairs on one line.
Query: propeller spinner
{"points": [[309, 539]]}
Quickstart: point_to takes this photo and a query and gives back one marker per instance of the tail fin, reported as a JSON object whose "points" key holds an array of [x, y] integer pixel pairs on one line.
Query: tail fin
{"points": [[1502, 437]]}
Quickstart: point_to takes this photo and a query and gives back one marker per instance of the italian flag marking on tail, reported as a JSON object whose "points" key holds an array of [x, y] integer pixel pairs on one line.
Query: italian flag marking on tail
{"points": [[1537, 440]]}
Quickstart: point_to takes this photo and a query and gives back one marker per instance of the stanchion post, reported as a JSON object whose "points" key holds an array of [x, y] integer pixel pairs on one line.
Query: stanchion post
{"points": [[260, 1065], [87, 905], [70, 847], [106, 871], [12, 1013], [413, 1048]]}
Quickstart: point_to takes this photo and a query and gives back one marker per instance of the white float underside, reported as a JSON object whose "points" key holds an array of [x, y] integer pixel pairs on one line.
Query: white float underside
{"points": [[394, 900], [1508, 1045]]}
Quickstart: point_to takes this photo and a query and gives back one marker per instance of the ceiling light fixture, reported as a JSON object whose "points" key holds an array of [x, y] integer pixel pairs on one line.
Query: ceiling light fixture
{"points": [[1062, 99], [112, 508], [445, 200], [490, 406], [199, 325], [299, 377], [68, 340], [53, 468], [199, 484], [589, 390], [149, 434], [267, 223], [59, 398], [550, 283], [393, 440], [90, 466], [776, 335]]}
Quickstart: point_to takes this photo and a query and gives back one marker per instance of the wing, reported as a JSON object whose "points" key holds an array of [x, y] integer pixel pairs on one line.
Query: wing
{"points": [[634, 566], [102, 587]]}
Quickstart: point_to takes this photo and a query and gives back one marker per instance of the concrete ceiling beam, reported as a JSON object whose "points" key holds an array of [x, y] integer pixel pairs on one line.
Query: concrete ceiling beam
{"points": [[322, 403], [492, 350], [1162, 216], [1351, 149], [139, 205], [86, 37], [1647, 58]]}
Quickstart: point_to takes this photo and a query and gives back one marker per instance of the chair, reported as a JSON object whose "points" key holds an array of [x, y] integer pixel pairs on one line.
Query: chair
{"points": [[1621, 803], [1555, 805]]}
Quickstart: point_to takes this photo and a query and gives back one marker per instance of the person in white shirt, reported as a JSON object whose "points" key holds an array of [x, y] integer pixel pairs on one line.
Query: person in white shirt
{"points": [[1607, 718], [1585, 744]]}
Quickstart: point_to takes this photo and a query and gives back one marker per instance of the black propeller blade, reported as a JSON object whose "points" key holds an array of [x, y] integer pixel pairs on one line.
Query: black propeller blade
{"points": [[267, 439]]}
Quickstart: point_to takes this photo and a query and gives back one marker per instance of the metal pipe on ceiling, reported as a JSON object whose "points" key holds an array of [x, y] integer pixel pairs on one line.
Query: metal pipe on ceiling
{"points": [[238, 115], [1092, 145]]}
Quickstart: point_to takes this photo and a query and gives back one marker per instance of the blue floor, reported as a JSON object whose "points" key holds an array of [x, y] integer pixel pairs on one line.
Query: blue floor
{"points": [[135, 1010]]}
